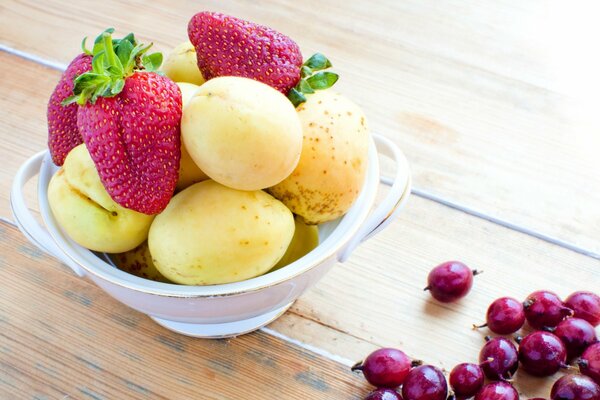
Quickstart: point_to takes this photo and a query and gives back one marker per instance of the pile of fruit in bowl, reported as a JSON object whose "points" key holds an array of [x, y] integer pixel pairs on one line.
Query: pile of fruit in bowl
{"points": [[214, 169]]}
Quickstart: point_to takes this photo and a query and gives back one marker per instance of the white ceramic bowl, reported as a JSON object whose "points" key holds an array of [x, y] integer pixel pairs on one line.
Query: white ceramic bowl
{"points": [[219, 310]]}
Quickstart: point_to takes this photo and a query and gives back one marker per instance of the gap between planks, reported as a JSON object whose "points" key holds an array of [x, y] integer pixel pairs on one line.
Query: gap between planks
{"points": [[30, 57], [415, 191], [504, 223]]}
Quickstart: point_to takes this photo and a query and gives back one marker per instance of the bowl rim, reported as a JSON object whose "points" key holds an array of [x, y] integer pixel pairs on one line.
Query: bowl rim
{"points": [[346, 228]]}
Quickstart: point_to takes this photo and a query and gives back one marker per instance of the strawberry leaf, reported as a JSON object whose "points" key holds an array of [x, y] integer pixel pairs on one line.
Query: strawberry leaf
{"points": [[322, 80], [98, 42], [88, 93], [304, 87], [317, 62], [84, 81], [312, 77], [152, 61], [113, 61], [123, 51], [86, 86], [135, 56], [84, 48], [72, 99], [117, 86], [305, 71], [115, 70], [296, 97], [99, 91], [129, 38], [98, 62]]}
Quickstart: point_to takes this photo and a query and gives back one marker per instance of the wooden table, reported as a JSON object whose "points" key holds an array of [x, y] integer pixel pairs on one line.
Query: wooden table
{"points": [[495, 105]]}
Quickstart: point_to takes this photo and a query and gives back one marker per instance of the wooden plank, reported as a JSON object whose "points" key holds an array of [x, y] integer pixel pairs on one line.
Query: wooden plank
{"points": [[61, 337], [27, 87], [488, 114]]}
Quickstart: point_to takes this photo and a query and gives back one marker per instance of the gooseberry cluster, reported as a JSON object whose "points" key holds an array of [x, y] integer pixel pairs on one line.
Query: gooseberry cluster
{"points": [[562, 332]]}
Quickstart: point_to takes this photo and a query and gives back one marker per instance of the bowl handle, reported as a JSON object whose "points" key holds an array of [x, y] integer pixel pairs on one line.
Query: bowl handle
{"points": [[26, 221], [393, 202]]}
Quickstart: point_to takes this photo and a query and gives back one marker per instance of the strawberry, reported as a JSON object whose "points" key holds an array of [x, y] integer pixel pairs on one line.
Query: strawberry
{"points": [[227, 45], [63, 134], [129, 119], [231, 46]]}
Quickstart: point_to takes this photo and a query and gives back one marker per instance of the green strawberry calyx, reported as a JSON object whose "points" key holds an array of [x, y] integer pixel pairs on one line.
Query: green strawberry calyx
{"points": [[312, 77], [113, 61]]}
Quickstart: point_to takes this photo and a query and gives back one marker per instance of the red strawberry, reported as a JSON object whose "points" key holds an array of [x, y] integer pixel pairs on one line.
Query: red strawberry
{"points": [[129, 120], [63, 134], [134, 141], [231, 46]]}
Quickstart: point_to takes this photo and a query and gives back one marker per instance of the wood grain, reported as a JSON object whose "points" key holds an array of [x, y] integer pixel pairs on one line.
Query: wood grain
{"points": [[488, 113], [23, 121], [62, 337]]}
